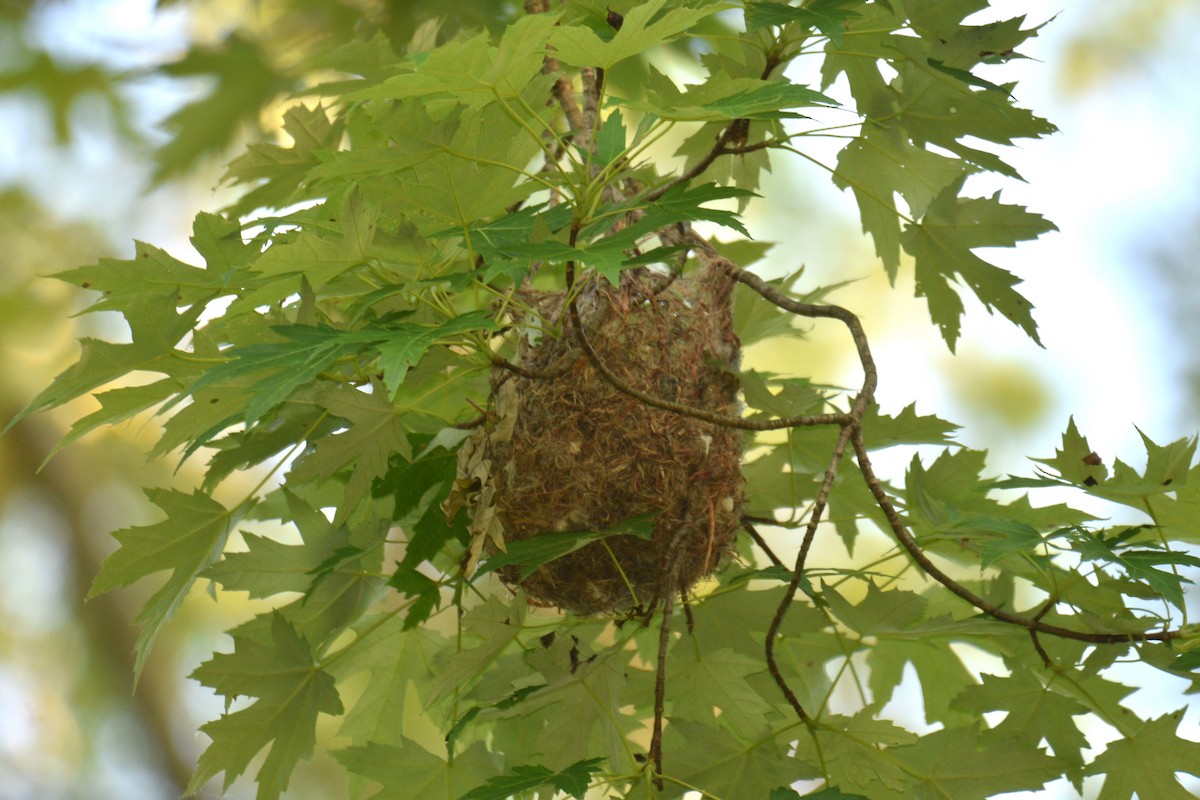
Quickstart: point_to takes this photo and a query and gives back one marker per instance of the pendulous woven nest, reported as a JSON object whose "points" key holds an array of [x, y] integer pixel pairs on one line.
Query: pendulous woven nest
{"points": [[576, 454]]}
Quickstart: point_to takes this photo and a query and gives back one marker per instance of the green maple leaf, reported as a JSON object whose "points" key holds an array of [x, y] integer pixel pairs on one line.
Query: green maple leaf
{"points": [[304, 352], [827, 16], [214, 407], [245, 83], [573, 780], [280, 431], [712, 683], [291, 691], [186, 543], [410, 772], [1177, 514], [723, 98], [308, 350], [124, 282], [393, 656], [950, 764], [117, 405], [1145, 762], [1167, 470], [495, 626], [1139, 564], [317, 258], [61, 86], [538, 550], [275, 174], [472, 71], [942, 245], [155, 329], [642, 29], [879, 611], [881, 163], [1033, 712], [582, 693], [610, 140], [941, 108], [409, 342], [425, 592], [267, 567], [376, 431], [907, 427], [856, 752], [894, 617], [1075, 461], [476, 174], [723, 765]]}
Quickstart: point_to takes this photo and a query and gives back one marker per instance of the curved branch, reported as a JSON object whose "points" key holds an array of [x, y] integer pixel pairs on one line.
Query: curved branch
{"points": [[1033, 624], [532, 374], [683, 409], [810, 533]]}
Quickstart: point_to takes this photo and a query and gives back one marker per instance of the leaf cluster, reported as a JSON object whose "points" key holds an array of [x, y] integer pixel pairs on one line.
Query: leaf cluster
{"points": [[337, 345]]}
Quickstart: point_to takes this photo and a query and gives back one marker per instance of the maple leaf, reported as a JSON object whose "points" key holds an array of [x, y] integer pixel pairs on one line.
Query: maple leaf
{"points": [[275, 174], [376, 431], [642, 29], [267, 567], [715, 683], [186, 542], [291, 691], [950, 764], [245, 83], [117, 405], [582, 693], [302, 353], [495, 626], [879, 164], [827, 16], [393, 658], [942, 243], [1033, 712], [61, 86], [725, 98], [857, 753], [155, 328], [472, 71], [1145, 762], [532, 553], [123, 282], [723, 764], [425, 592], [410, 772], [573, 780]]}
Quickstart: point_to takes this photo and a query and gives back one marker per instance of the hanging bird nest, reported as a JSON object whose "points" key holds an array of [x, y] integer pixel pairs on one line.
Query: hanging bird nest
{"points": [[574, 453]]}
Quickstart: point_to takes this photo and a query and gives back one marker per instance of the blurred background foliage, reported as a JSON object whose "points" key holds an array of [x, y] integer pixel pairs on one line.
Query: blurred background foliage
{"points": [[116, 117]]}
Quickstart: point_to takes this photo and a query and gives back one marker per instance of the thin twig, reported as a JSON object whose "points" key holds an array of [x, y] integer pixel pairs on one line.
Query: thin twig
{"points": [[562, 89], [760, 541], [533, 374], [1035, 625], [793, 586], [730, 141], [660, 690], [724, 420], [593, 85]]}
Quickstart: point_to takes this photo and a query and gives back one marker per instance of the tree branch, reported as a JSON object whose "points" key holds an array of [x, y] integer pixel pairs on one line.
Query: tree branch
{"points": [[1033, 624]]}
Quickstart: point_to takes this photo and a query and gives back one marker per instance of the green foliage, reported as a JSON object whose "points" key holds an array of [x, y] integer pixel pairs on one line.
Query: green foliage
{"points": [[337, 346]]}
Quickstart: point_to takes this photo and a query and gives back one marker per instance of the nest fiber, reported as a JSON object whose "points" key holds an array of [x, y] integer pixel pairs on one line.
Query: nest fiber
{"points": [[574, 453]]}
